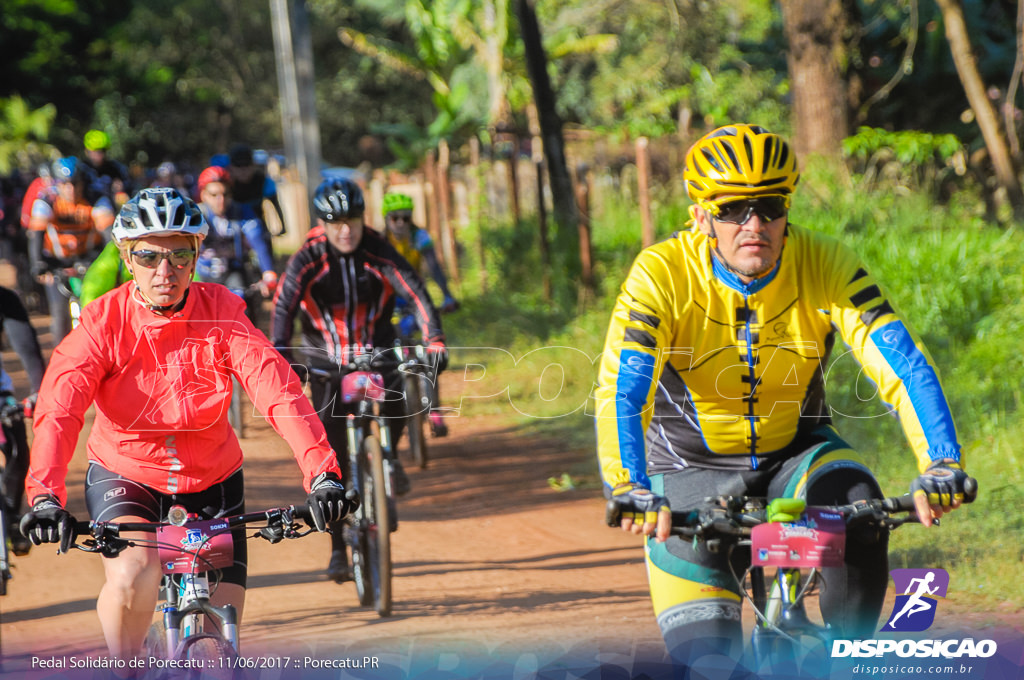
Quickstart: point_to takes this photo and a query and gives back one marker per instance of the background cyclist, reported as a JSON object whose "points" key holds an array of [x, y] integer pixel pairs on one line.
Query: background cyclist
{"points": [[252, 185], [236, 233], [157, 358], [110, 177], [64, 229], [342, 284], [18, 330], [416, 246], [712, 383]]}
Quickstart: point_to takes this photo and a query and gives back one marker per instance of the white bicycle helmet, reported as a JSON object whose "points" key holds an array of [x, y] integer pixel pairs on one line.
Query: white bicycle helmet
{"points": [[157, 212]]}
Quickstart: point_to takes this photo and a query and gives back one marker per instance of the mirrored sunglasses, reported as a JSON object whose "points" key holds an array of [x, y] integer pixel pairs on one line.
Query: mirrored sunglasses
{"points": [[150, 259], [768, 208]]}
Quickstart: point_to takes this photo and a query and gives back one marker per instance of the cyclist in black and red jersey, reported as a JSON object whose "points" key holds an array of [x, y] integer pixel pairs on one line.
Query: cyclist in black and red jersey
{"points": [[342, 283]]}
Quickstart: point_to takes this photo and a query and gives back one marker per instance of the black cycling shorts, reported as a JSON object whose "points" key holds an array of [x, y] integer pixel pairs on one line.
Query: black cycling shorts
{"points": [[109, 496]]}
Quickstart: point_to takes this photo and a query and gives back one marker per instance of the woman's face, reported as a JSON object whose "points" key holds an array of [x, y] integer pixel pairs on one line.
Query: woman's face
{"points": [[163, 267]]}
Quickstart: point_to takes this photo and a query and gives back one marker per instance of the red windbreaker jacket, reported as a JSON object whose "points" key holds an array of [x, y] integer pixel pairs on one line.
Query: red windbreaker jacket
{"points": [[161, 386]]}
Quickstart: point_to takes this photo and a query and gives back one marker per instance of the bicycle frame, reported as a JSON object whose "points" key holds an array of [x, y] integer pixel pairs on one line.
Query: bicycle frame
{"points": [[187, 598], [369, 442], [729, 521]]}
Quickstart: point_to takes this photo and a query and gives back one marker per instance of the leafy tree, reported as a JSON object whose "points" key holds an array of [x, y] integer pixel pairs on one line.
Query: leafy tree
{"points": [[56, 52], [23, 134], [669, 64]]}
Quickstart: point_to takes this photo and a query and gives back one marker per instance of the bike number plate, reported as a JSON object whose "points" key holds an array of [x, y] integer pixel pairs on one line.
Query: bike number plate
{"points": [[198, 546], [817, 540], [362, 385]]}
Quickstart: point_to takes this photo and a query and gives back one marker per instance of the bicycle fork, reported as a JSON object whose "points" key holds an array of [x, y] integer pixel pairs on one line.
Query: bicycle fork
{"points": [[187, 605]]}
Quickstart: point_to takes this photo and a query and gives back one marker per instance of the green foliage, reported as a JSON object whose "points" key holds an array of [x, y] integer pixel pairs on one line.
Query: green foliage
{"points": [[23, 134], [913, 158], [714, 61]]}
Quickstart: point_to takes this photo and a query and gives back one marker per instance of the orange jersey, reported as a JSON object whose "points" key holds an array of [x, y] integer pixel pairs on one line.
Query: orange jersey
{"points": [[71, 228], [161, 386]]}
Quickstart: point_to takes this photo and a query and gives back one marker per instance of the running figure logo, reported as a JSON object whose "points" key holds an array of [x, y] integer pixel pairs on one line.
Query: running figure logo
{"points": [[915, 607]]}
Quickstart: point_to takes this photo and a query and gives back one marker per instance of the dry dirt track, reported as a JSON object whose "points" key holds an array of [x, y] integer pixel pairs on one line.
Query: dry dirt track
{"points": [[490, 564], [496, 575]]}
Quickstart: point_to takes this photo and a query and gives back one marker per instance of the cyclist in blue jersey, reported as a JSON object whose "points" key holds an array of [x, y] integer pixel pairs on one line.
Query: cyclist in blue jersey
{"points": [[235, 233]]}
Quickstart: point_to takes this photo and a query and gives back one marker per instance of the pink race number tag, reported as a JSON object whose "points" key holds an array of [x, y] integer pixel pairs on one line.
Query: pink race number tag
{"points": [[817, 540], [360, 385], [198, 546]]}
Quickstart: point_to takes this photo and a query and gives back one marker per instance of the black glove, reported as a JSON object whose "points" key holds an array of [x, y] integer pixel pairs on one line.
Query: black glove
{"points": [[49, 522], [639, 504], [328, 501], [942, 482], [438, 354]]}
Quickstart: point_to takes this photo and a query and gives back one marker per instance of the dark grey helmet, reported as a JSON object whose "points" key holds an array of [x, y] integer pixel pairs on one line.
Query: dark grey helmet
{"points": [[338, 198]]}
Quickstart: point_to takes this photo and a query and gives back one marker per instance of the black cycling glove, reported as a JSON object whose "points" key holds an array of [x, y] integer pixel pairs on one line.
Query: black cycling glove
{"points": [[942, 482], [639, 504], [328, 501], [49, 522]]}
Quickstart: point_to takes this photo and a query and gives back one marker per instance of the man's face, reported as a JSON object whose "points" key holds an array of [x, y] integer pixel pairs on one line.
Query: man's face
{"points": [[398, 222], [345, 233], [750, 249], [161, 279], [217, 196]]}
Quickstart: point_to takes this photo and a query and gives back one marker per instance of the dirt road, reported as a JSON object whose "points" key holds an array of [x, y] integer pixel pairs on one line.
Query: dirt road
{"points": [[497, 575], [491, 566]]}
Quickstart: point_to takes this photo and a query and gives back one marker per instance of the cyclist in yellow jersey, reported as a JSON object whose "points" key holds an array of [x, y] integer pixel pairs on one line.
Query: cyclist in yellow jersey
{"points": [[414, 243], [712, 382]]}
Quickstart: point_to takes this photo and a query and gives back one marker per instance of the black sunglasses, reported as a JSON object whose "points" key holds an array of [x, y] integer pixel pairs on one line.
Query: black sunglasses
{"points": [[768, 208], [150, 259]]}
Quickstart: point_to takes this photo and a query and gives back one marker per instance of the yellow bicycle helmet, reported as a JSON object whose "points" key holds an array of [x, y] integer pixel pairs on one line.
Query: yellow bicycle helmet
{"points": [[739, 160], [396, 201], [96, 140]]}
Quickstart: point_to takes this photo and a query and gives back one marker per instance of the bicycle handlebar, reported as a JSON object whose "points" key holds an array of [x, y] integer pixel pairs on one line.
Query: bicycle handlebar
{"points": [[735, 516], [105, 537], [366, 362]]}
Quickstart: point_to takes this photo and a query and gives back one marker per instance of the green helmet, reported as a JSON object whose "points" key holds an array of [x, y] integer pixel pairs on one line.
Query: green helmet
{"points": [[396, 201], [96, 140]]}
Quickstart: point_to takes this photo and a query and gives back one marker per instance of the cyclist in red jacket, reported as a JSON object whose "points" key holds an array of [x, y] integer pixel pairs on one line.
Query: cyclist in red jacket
{"points": [[157, 357]]}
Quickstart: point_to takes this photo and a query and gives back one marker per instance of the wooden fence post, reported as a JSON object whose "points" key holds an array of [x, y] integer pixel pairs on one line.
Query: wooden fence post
{"points": [[475, 207], [430, 196], [643, 172], [445, 212], [583, 228]]}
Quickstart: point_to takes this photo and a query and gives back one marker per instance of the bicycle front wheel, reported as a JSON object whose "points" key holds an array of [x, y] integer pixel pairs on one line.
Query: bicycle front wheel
{"points": [[211, 656], [417, 420], [5, 553], [378, 533]]}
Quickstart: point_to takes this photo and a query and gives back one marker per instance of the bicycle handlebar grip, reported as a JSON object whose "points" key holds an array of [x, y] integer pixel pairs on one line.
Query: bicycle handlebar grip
{"points": [[302, 512], [904, 503], [970, 489], [613, 513]]}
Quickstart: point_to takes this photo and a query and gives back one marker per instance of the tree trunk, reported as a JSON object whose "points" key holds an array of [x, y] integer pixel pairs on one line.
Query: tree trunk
{"points": [[816, 30], [967, 69], [562, 195]]}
